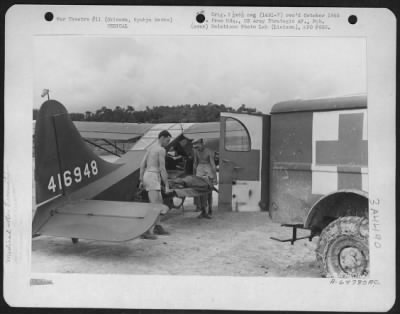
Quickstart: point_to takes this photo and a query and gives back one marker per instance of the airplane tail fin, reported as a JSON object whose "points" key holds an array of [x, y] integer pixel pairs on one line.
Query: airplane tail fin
{"points": [[63, 161]]}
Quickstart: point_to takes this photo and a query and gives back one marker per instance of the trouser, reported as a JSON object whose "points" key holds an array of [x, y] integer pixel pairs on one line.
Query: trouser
{"points": [[206, 203]]}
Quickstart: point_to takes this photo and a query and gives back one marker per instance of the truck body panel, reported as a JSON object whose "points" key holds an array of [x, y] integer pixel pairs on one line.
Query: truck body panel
{"points": [[315, 153], [287, 161]]}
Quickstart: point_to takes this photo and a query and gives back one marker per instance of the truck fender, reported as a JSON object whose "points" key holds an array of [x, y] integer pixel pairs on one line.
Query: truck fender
{"points": [[348, 202]]}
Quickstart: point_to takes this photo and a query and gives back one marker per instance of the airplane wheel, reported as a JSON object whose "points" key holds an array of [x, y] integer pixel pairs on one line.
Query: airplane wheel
{"points": [[75, 240]]}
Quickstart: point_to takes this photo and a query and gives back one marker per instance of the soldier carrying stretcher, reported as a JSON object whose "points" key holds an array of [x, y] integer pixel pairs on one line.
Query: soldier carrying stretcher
{"points": [[152, 171], [204, 166]]}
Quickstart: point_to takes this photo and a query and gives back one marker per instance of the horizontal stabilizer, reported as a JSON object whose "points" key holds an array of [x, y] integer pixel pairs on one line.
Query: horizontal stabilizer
{"points": [[101, 220]]}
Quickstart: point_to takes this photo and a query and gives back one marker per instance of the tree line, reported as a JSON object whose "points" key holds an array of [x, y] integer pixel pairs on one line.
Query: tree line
{"points": [[158, 114]]}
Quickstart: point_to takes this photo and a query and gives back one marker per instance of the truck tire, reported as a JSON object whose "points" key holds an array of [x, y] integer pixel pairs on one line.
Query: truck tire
{"points": [[343, 249]]}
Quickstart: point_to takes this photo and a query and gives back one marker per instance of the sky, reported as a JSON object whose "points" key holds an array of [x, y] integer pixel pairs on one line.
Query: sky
{"points": [[86, 73]]}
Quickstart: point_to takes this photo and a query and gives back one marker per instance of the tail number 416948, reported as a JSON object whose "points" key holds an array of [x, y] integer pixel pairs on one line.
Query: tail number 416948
{"points": [[69, 177]]}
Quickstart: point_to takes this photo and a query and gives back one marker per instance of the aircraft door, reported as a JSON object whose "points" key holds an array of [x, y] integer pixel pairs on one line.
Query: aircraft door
{"points": [[240, 162]]}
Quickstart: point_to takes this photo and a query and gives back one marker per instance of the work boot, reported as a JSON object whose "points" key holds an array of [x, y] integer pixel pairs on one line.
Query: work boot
{"points": [[158, 229], [202, 215], [207, 216], [148, 236]]}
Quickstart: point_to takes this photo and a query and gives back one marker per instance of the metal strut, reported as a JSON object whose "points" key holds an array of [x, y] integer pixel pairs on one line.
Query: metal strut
{"points": [[101, 147], [114, 145], [294, 237]]}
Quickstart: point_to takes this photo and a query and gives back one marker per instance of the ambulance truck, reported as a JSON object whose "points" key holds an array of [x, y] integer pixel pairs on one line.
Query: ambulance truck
{"points": [[307, 164]]}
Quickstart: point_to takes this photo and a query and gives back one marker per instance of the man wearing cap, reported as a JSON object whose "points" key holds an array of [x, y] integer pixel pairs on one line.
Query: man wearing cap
{"points": [[204, 166]]}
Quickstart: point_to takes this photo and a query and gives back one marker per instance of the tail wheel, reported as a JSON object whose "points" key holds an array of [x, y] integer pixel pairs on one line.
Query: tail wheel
{"points": [[343, 249]]}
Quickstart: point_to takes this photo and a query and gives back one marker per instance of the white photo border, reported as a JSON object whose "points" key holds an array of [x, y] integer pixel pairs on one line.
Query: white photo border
{"points": [[23, 22]]}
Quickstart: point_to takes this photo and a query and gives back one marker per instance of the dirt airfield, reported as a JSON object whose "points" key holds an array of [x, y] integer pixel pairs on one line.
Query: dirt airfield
{"points": [[230, 244]]}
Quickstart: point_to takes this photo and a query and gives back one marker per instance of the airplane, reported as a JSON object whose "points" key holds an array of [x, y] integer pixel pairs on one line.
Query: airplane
{"points": [[79, 195]]}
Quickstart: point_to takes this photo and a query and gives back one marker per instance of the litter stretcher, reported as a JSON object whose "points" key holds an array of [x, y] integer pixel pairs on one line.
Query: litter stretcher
{"points": [[181, 187], [187, 186]]}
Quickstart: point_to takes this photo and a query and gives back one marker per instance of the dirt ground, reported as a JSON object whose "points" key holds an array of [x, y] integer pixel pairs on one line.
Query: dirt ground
{"points": [[232, 243]]}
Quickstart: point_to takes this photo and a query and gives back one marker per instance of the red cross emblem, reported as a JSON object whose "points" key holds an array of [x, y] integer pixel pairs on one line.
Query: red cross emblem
{"points": [[349, 153]]}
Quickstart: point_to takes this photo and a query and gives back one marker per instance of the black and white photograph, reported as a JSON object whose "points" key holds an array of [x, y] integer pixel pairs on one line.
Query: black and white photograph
{"points": [[190, 158], [206, 146]]}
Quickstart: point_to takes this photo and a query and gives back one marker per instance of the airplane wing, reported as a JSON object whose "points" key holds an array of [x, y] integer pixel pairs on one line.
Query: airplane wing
{"points": [[100, 220], [119, 131], [208, 131]]}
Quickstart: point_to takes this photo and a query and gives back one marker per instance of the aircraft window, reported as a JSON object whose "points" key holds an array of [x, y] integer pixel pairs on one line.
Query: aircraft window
{"points": [[237, 137]]}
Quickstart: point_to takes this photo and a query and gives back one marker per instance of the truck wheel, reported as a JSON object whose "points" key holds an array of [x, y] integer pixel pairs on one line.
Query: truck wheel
{"points": [[343, 249]]}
